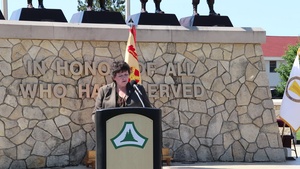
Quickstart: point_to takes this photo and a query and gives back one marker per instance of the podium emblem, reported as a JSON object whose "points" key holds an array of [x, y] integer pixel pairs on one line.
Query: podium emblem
{"points": [[129, 136]]}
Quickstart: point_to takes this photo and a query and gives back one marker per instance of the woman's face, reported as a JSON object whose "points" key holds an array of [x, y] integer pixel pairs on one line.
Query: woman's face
{"points": [[121, 78]]}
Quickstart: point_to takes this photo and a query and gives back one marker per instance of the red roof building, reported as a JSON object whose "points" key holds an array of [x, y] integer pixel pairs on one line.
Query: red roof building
{"points": [[276, 46], [273, 50]]}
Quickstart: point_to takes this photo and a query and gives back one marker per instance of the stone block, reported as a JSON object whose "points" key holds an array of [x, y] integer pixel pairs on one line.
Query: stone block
{"points": [[97, 17], [153, 19], [1, 15], [199, 20], [49, 15]]}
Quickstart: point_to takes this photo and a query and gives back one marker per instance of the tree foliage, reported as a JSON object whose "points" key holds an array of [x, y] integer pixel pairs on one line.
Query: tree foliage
{"points": [[111, 5], [284, 69]]}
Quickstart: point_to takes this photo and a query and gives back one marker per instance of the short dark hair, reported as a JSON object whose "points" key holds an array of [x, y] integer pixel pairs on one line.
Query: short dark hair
{"points": [[119, 66]]}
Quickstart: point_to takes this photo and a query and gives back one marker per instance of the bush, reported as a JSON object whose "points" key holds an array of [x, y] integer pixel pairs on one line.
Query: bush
{"points": [[284, 69]]}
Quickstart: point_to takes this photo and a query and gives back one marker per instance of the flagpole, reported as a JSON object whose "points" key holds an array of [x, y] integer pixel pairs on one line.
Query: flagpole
{"points": [[127, 9], [4, 9]]}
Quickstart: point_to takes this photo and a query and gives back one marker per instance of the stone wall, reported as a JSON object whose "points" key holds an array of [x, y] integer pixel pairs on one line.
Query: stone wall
{"points": [[232, 118]]}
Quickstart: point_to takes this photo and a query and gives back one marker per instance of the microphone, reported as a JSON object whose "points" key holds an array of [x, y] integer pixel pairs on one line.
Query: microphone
{"points": [[133, 84], [137, 91]]}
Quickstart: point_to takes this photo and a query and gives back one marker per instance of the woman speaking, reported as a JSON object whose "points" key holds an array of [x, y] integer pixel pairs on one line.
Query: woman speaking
{"points": [[121, 92]]}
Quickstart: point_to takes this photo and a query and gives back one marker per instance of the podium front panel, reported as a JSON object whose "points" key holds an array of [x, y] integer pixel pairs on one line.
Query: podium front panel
{"points": [[128, 138], [129, 133]]}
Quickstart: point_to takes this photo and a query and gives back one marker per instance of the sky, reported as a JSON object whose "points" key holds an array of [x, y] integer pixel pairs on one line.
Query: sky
{"points": [[277, 18]]}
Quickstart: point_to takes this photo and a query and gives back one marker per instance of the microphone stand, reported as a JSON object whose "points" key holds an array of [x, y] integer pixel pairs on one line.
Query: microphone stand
{"points": [[137, 91], [139, 98]]}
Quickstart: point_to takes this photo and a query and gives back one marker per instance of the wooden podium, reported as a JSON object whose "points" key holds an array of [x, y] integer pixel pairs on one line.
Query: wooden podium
{"points": [[128, 138]]}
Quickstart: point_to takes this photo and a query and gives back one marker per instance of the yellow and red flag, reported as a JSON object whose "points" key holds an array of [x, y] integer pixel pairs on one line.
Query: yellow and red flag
{"points": [[290, 106], [131, 56]]}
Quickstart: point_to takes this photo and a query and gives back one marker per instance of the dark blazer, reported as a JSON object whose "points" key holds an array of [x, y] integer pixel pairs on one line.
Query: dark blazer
{"points": [[107, 97]]}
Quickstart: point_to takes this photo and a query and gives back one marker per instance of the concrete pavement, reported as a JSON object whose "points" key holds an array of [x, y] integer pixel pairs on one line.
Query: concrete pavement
{"points": [[289, 164], [226, 165]]}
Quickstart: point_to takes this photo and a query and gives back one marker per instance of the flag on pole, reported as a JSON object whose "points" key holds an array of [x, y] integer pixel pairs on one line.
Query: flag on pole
{"points": [[131, 56], [290, 106]]}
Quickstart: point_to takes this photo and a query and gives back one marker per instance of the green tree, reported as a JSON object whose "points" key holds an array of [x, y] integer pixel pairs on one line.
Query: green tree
{"points": [[111, 5], [284, 69]]}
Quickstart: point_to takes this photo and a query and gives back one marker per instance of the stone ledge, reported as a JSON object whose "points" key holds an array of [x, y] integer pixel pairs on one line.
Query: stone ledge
{"points": [[111, 32], [277, 102]]}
